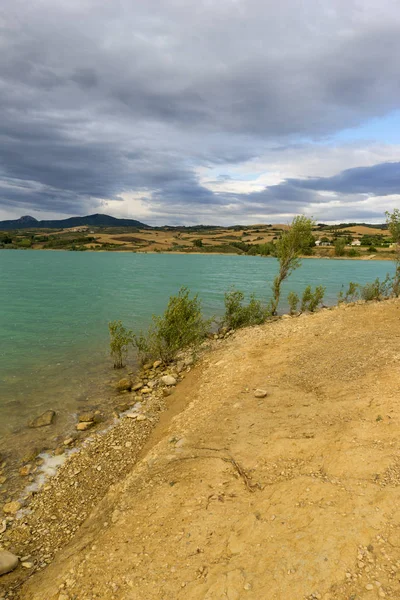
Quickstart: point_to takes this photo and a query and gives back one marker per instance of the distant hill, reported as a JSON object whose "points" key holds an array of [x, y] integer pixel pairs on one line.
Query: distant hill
{"points": [[96, 220]]}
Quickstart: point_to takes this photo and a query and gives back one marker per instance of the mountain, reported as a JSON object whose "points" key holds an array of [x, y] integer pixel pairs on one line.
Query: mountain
{"points": [[96, 220]]}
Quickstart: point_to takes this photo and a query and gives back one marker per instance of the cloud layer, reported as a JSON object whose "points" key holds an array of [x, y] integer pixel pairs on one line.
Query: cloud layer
{"points": [[125, 107]]}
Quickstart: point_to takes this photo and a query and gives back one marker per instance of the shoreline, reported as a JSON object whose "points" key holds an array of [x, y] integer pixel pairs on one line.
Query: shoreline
{"points": [[136, 415], [373, 257], [79, 477]]}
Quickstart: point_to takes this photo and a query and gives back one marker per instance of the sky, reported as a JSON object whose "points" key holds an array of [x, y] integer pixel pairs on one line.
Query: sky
{"points": [[200, 111]]}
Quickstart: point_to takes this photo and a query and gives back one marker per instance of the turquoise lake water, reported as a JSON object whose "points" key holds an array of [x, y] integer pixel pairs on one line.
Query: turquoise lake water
{"points": [[55, 307]]}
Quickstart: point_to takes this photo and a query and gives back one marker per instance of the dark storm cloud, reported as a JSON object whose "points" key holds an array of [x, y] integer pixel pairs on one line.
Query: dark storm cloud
{"points": [[378, 180], [98, 99]]}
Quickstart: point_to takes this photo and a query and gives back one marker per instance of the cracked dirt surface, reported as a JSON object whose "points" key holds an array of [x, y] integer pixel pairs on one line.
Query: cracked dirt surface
{"points": [[288, 497]]}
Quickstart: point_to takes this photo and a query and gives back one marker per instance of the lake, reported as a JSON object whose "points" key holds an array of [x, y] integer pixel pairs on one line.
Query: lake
{"points": [[55, 307]]}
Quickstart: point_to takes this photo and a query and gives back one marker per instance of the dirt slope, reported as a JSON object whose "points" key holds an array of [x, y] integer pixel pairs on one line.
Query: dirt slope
{"points": [[293, 496]]}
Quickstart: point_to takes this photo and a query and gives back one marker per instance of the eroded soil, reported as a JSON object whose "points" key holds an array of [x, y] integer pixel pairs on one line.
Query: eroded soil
{"points": [[288, 497]]}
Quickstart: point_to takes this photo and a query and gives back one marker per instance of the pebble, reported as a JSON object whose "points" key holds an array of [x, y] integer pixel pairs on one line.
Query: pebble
{"points": [[141, 418], [168, 380], [25, 470], [11, 507], [27, 565], [157, 364], [369, 587], [260, 393], [68, 441], [8, 562], [137, 386], [247, 586], [84, 426]]}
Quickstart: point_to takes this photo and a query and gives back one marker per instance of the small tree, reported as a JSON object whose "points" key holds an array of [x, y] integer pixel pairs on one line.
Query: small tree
{"points": [[310, 300], [119, 343], [293, 301], [198, 243], [181, 326], [340, 244], [393, 222], [239, 315], [288, 249], [352, 293]]}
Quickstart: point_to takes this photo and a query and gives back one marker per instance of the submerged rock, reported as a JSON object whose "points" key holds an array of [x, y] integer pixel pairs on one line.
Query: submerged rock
{"points": [[124, 384], [86, 416], [25, 470], [8, 562], [44, 419]]}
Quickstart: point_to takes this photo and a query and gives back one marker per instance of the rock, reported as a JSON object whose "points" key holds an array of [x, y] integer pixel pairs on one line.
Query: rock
{"points": [[157, 364], [44, 419], [137, 386], [145, 390], [27, 565], [180, 366], [166, 392], [369, 587], [168, 380], [141, 418], [87, 416], [8, 562], [25, 470], [68, 441], [124, 384], [260, 393], [84, 425], [11, 507], [189, 361]]}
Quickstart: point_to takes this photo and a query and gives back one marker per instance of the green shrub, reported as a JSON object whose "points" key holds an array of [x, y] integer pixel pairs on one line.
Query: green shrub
{"points": [[377, 290], [293, 301], [24, 243], [181, 326], [198, 243], [353, 252], [372, 249], [371, 291], [340, 244], [310, 300], [352, 294], [238, 315], [119, 343]]}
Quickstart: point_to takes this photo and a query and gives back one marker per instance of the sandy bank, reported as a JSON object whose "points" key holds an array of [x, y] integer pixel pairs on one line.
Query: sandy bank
{"points": [[292, 496]]}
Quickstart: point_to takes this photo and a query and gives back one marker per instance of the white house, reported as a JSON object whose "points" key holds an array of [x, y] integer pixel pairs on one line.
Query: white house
{"points": [[356, 243]]}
